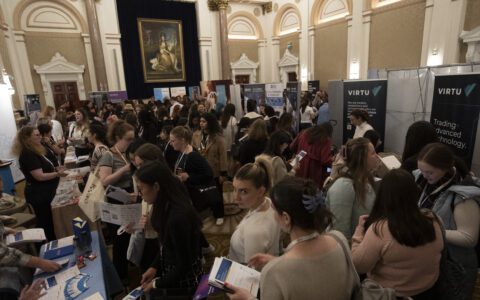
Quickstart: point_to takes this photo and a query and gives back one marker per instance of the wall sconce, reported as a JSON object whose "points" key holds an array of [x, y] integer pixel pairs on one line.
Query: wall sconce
{"points": [[354, 70]]}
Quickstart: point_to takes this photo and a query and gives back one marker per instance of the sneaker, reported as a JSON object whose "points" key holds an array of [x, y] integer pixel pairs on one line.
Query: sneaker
{"points": [[208, 250], [219, 222]]}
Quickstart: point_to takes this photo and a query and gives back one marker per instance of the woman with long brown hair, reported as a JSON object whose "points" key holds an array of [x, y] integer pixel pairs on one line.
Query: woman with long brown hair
{"points": [[42, 174], [351, 194]]}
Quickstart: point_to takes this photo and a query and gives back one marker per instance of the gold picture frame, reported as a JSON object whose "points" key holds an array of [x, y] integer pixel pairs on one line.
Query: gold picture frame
{"points": [[161, 45]]}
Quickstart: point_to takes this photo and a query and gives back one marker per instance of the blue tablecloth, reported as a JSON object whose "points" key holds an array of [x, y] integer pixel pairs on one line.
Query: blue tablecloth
{"points": [[109, 285]]}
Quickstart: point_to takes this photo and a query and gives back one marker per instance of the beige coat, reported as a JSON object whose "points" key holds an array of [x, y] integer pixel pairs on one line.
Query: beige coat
{"points": [[215, 152]]}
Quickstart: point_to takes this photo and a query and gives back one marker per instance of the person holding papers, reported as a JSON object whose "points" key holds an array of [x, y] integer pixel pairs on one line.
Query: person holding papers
{"points": [[258, 231], [314, 265], [10, 260], [115, 170], [177, 266]]}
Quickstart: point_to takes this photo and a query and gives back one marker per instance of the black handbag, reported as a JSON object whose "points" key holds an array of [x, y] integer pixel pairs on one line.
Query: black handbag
{"points": [[451, 281], [204, 195]]}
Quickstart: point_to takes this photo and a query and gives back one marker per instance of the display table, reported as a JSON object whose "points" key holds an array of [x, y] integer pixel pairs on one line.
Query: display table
{"points": [[65, 205], [104, 278]]}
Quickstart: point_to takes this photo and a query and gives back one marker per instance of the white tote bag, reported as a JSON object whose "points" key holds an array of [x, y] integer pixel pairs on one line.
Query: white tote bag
{"points": [[92, 195]]}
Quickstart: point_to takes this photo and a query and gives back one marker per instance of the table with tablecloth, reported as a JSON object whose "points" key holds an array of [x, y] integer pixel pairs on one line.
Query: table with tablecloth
{"points": [[104, 279]]}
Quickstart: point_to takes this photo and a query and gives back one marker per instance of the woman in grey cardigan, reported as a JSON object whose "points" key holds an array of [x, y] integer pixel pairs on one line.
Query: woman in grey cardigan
{"points": [[454, 196]]}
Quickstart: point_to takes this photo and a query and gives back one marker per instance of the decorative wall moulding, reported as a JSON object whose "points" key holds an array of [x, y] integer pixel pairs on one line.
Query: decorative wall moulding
{"points": [[245, 66], [59, 69], [472, 39]]}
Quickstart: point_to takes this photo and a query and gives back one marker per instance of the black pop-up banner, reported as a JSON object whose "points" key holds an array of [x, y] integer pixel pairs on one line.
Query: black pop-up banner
{"points": [[369, 95], [455, 111]]}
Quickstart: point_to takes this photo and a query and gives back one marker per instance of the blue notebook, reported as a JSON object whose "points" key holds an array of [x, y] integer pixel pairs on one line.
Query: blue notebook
{"points": [[59, 248]]}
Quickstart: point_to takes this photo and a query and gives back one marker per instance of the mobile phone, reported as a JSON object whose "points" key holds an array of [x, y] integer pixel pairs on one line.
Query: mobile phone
{"points": [[298, 157], [226, 289], [135, 294]]}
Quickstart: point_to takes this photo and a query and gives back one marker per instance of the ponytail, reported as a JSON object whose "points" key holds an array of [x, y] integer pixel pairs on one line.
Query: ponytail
{"points": [[259, 173]]}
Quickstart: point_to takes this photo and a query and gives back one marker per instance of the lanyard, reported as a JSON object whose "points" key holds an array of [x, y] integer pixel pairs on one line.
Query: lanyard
{"points": [[301, 239], [179, 160], [424, 198]]}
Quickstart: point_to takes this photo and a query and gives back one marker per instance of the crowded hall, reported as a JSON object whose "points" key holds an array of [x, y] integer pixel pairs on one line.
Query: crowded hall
{"points": [[240, 149]]}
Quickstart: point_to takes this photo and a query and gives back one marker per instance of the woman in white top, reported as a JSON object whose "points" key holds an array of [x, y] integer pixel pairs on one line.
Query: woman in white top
{"points": [[308, 113], [258, 232], [229, 125], [361, 120], [78, 131]]}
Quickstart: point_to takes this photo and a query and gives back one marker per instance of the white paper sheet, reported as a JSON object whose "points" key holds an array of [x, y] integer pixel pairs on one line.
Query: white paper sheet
{"points": [[121, 214]]}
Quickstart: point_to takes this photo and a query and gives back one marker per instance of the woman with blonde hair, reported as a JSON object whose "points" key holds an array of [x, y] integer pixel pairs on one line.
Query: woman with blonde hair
{"points": [[258, 232], [57, 130], [42, 174]]}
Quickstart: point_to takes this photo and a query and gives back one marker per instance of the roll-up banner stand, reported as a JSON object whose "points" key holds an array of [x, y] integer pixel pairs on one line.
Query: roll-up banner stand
{"points": [[293, 102], [369, 95], [455, 112], [313, 87], [274, 96], [254, 91]]}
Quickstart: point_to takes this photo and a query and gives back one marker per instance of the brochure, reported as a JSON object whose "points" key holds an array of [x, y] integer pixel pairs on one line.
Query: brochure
{"points": [[226, 270], [34, 235]]}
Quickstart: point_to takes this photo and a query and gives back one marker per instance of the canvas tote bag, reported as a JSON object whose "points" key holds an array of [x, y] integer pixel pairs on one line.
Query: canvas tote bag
{"points": [[92, 195]]}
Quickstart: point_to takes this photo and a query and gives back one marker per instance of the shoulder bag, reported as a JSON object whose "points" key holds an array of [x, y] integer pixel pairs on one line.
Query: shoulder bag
{"points": [[450, 282], [368, 289]]}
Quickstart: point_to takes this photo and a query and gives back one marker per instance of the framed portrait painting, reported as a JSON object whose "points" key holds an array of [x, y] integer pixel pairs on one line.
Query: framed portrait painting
{"points": [[161, 45]]}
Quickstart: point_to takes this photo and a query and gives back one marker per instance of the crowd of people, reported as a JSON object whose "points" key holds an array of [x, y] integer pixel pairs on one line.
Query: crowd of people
{"points": [[174, 157]]}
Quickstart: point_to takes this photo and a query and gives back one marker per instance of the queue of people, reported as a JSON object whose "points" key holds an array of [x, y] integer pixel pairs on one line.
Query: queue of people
{"points": [[175, 158]]}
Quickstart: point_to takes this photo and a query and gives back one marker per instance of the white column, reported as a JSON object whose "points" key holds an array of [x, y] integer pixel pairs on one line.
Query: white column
{"points": [[21, 66], [444, 22], [113, 62], [358, 40], [206, 58], [367, 20], [302, 69], [91, 67], [311, 53], [426, 31], [262, 59], [275, 59]]}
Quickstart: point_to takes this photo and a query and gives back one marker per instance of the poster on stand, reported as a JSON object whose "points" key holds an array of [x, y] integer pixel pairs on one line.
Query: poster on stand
{"points": [[236, 94], [292, 94], [178, 91], [193, 92], [117, 96], [274, 96], [369, 95], [221, 97], [161, 93], [98, 97], [313, 87], [255, 92], [455, 112], [32, 107]]}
